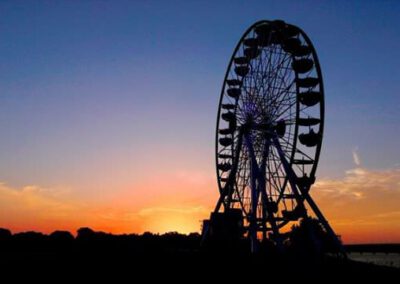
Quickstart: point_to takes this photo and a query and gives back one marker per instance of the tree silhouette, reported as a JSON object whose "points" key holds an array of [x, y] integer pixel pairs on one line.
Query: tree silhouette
{"points": [[5, 234]]}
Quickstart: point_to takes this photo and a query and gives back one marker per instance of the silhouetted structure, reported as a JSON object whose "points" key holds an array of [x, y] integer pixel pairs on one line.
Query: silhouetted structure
{"points": [[268, 138], [170, 256]]}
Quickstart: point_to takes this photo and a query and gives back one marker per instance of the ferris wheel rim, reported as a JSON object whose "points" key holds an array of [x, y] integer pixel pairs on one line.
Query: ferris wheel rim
{"points": [[321, 103]]}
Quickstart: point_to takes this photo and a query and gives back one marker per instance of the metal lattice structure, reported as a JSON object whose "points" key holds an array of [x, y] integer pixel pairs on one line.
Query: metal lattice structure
{"points": [[269, 129]]}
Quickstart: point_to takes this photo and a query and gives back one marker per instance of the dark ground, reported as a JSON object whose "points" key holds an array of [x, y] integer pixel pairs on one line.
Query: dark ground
{"points": [[171, 257]]}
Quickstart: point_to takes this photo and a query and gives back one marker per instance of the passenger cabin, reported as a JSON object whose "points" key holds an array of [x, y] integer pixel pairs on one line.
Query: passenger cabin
{"points": [[228, 116], [302, 65], [310, 98], [308, 82], [225, 141], [233, 92], [310, 139], [310, 121], [305, 181], [241, 60], [241, 70], [252, 52], [224, 167]]}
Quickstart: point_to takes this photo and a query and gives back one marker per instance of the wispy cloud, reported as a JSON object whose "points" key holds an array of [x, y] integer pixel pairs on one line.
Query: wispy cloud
{"points": [[33, 207], [356, 157], [364, 204]]}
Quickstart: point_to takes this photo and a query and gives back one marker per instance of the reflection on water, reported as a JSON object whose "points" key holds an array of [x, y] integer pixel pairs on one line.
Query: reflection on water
{"points": [[379, 258]]}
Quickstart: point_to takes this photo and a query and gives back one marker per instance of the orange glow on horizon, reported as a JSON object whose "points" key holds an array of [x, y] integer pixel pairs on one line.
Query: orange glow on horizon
{"points": [[362, 207]]}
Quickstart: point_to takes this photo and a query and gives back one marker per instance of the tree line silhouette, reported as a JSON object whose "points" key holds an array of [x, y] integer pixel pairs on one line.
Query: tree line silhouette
{"points": [[303, 239], [89, 240], [306, 241], [174, 254]]}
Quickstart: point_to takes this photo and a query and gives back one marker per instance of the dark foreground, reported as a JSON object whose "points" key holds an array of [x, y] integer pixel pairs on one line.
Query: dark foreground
{"points": [[172, 257]]}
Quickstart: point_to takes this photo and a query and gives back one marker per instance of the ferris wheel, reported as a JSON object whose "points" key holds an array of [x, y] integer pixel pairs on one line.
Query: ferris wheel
{"points": [[269, 129]]}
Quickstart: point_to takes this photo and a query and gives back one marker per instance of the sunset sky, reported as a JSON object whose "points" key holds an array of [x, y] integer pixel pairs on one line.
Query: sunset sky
{"points": [[108, 108]]}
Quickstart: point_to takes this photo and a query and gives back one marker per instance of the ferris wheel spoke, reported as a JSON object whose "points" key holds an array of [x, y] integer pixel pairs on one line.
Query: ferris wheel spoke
{"points": [[265, 74], [279, 61], [272, 84], [288, 116], [282, 91], [288, 85], [268, 76], [278, 167], [298, 150], [273, 185], [298, 167], [281, 66], [242, 167], [291, 104], [243, 173], [289, 171], [287, 97], [279, 87]]}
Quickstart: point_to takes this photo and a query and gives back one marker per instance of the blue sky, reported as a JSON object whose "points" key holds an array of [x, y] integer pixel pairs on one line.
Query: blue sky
{"points": [[99, 94]]}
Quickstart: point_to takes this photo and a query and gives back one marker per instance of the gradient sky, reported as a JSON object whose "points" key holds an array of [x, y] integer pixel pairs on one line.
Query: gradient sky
{"points": [[108, 108]]}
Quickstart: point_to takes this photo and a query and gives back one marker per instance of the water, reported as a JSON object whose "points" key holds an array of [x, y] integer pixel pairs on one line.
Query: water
{"points": [[379, 258]]}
